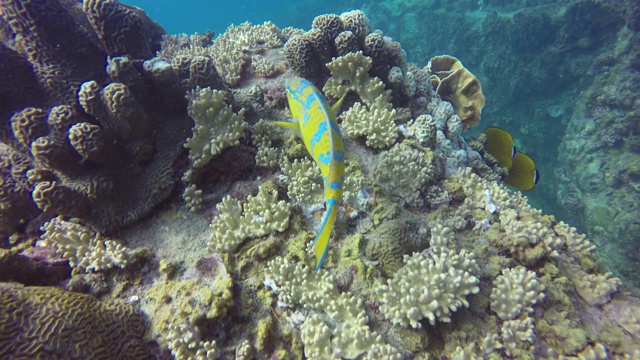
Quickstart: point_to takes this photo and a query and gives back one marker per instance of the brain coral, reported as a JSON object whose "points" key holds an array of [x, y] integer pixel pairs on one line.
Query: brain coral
{"points": [[46, 322]]}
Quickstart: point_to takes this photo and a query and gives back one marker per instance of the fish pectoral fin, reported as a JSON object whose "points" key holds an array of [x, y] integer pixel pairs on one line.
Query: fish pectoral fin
{"points": [[287, 124], [292, 126], [336, 107]]}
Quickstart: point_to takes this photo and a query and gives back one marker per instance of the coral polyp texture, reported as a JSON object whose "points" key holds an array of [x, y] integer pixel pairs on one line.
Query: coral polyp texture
{"points": [[47, 322], [431, 255]]}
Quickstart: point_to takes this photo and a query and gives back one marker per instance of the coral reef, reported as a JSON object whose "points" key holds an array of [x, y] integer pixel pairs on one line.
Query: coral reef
{"points": [[431, 257], [85, 249], [259, 216]]}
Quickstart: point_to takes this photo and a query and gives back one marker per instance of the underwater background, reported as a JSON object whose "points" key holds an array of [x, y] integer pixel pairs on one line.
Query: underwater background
{"points": [[151, 208], [536, 61]]}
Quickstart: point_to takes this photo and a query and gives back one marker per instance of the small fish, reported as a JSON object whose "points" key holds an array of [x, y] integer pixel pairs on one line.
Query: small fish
{"points": [[523, 174], [500, 145], [315, 121]]}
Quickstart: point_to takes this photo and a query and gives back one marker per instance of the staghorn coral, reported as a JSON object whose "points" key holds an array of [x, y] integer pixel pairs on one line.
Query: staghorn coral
{"points": [[430, 287], [50, 323], [259, 216], [85, 249], [216, 125]]}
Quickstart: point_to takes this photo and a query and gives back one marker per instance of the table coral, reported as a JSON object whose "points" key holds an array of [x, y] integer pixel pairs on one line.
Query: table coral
{"points": [[49, 322], [216, 125], [430, 287]]}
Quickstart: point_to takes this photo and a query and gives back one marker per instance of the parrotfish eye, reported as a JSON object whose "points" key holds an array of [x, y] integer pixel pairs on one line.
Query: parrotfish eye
{"points": [[346, 82]]}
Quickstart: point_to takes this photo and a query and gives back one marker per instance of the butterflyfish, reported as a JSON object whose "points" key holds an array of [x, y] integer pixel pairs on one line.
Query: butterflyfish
{"points": [[523, 174], [500, 145], [315, 121]]}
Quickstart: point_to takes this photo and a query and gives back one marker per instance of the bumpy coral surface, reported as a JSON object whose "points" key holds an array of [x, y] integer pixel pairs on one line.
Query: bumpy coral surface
{"points": [[431, 256], [49, 322]]}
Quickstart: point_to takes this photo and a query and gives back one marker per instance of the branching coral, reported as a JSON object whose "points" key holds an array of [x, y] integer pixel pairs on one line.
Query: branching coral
{"points": [[259, 216], [216, 125], [430, 287], [350, 73], [303, 180], [297, 285], [85, 249], [515, 292], [185, 344], [376, 123], [404, 170]]}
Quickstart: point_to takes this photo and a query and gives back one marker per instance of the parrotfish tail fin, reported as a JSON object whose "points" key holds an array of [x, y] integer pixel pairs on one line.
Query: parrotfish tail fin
{"points": [[321, 242]]}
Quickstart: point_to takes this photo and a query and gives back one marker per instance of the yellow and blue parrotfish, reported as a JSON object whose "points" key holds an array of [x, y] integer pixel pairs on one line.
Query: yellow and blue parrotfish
{"points": [[315, 121]]}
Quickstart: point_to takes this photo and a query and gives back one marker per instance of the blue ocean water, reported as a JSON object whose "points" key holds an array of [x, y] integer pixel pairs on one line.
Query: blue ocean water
{"points": [[192, 16]]}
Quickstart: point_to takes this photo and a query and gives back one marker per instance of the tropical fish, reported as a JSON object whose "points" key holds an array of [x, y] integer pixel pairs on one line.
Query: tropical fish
{"points": [[315, 121], [523, 174], [500, 144]]}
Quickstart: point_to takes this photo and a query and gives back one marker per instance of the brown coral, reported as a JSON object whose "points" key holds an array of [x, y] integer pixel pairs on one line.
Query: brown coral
{"points": [[457, 85], [46, 322], [98, 161]]}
